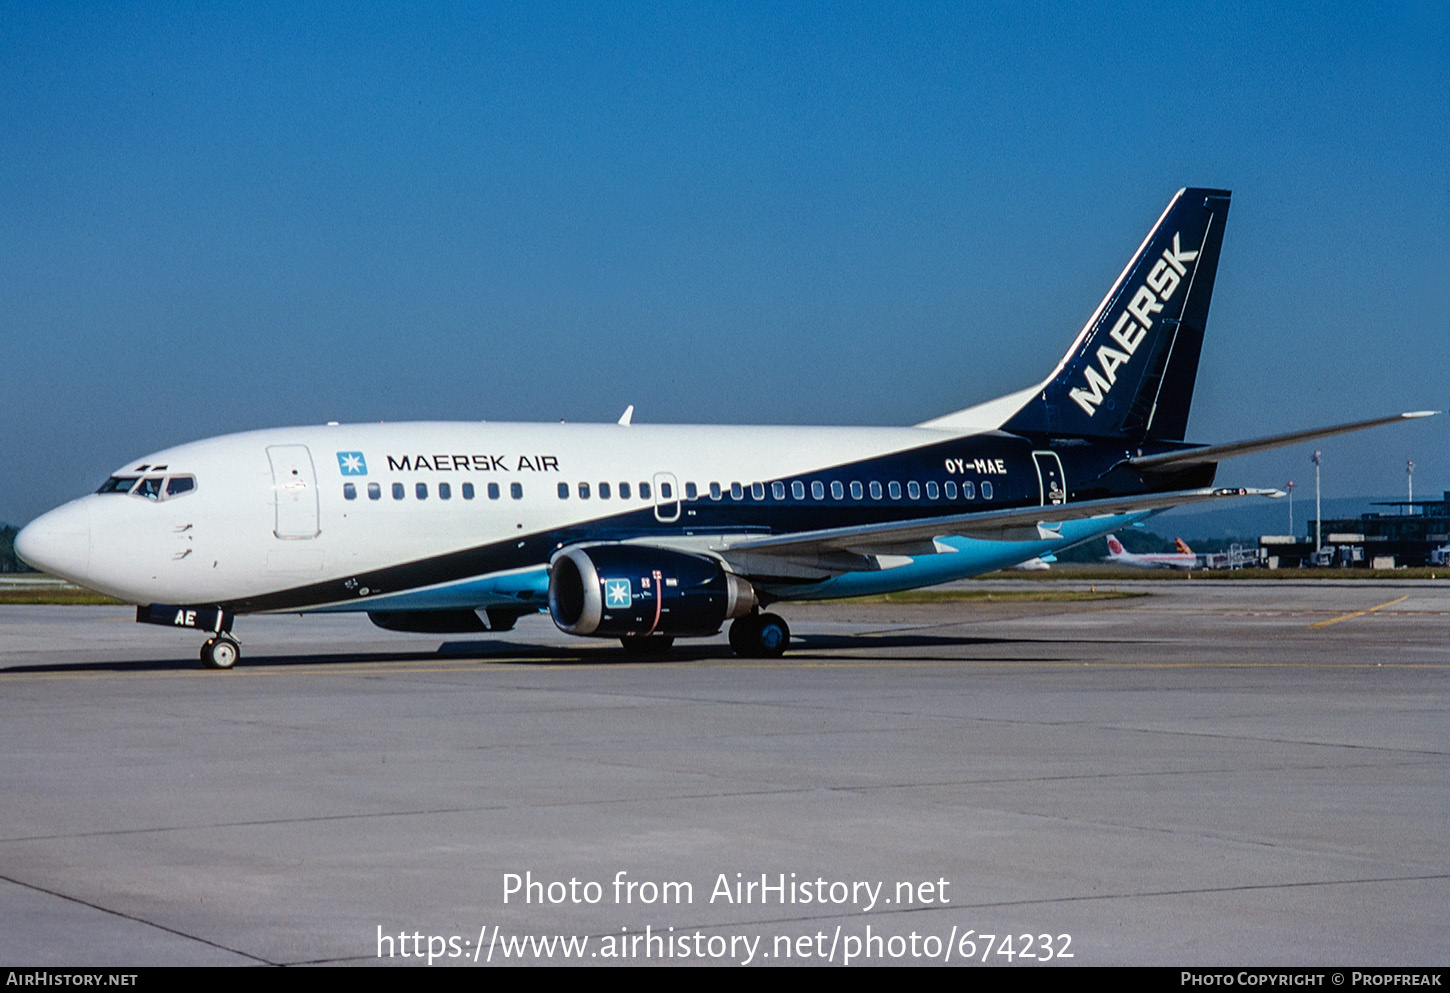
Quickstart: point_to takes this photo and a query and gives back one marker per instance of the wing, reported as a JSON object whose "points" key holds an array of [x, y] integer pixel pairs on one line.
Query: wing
{"points": [[838, 550]]}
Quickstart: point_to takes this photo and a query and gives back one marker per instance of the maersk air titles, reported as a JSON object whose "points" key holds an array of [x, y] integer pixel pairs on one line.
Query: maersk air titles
{"points": [[1133, 324], [646, 533]]}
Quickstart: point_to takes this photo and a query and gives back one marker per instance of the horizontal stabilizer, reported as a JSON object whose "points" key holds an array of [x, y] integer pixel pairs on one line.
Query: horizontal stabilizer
{"points": [[1175, 461]]}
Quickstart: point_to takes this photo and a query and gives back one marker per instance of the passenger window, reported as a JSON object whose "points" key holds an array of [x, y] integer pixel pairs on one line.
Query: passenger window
{"points": [[604, 491], [467, 491], [777, 490], [931, 491], [349, 491], [624, 491], [667, 492], [798, 490], [737, 492], [986, 490], [951, 489], [894, 488], [757, 491], [913, 490], [516, 490], [445, 491], [422, 490], [177, 485], [375, 492], [690, 491], [644, 491], [714, 491], [397, 491], [969, 490], [838, 492], [856, 491], [583, 491], [563, 490], [493, 491], [875, 490], [818, 490]]}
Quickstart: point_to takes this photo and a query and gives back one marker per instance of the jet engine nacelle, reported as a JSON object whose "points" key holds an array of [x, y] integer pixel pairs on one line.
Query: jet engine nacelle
{"points": [[616, 591]]}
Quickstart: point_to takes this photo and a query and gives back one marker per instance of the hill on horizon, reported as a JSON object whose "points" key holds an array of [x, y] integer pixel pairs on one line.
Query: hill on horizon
{"points": [[1251, 517]]}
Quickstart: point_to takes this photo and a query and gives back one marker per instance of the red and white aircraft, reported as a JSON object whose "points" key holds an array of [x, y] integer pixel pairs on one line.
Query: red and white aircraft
{"points": [[1181, 559]]}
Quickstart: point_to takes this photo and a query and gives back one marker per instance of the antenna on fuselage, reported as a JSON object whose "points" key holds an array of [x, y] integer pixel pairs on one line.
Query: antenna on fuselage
{"points": [[627, 416]]}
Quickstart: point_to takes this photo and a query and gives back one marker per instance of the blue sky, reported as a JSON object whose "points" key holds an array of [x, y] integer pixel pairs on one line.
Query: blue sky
{"points": [[223, 217]]}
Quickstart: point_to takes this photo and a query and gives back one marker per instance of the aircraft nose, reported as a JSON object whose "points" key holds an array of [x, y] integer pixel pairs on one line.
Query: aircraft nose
{"points": [[59, 542]]}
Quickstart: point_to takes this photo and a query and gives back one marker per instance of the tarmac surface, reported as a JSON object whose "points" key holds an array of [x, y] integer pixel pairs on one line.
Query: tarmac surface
{"points": [[1215, 773]]}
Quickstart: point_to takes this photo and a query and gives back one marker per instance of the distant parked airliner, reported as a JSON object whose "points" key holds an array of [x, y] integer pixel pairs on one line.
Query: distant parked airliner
{"points": [[1181, 559]]}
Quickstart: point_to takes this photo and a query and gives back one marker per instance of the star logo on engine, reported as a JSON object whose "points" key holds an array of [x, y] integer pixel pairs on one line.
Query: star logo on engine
{"points": [[617, 593]]}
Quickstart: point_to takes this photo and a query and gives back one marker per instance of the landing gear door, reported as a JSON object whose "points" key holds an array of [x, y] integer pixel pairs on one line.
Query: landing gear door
{"points": [[667, 497], [1049, 478], [294, 491]]}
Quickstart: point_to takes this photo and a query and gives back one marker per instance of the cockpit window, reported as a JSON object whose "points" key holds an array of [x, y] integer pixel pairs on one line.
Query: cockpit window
{"points": [[118, 484], [150, 487]]}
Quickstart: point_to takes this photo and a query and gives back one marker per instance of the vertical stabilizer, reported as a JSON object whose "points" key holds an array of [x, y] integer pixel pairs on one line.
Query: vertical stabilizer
{"points": [[1131, 371]]}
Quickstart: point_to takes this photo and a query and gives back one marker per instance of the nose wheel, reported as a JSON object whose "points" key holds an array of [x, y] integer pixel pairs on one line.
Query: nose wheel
{"points": [[760, 636], [221, 652]]}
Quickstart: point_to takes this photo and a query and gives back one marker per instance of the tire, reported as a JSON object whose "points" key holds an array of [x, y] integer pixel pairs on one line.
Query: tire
{"points": [[759, 636], [772, 637], [743, 634], [220, 653]]}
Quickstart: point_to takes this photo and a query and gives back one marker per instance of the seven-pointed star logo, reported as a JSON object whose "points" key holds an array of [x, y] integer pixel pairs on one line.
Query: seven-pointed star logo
{"points": [[352, 463], [617, 593]]}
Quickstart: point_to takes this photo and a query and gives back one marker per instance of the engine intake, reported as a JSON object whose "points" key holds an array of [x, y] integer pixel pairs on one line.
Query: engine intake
{"points": [[616, 591]]}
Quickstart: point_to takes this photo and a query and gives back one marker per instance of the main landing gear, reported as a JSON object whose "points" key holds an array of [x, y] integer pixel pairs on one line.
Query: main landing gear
{"points": [[221, 652], [760, 636]]}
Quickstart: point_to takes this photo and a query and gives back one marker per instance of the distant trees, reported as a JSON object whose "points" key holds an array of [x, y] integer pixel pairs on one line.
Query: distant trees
{"points": [[9, 561]]}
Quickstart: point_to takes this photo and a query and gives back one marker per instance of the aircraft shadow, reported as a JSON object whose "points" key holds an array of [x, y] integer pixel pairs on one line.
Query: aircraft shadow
{"points": [[920, 647]]}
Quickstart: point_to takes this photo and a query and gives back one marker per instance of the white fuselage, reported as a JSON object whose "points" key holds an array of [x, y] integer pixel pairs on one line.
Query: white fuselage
{"points": [[287, 508]]}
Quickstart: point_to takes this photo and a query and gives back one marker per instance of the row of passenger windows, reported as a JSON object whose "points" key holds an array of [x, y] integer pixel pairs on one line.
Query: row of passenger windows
{"points": [[736, 491], [605, 491], [667, 492], [838, 489], [445, 491]]}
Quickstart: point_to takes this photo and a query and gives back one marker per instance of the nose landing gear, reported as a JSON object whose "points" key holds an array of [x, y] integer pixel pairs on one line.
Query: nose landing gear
{"points": [[221, 652]]}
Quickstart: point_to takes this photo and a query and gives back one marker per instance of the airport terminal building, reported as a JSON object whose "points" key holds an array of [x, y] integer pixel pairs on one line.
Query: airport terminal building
{"points": [[1415, 534]]}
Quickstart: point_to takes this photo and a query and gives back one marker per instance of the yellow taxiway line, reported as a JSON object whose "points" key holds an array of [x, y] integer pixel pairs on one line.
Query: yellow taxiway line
{"points": [[1358, 613]]}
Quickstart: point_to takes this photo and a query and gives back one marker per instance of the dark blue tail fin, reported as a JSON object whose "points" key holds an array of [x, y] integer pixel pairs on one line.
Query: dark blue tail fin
{"points": [[1130, 373]]}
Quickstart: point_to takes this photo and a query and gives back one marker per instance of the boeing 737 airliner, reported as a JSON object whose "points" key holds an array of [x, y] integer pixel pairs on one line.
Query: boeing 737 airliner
{"points": [[1183, 558], [648, 533]]}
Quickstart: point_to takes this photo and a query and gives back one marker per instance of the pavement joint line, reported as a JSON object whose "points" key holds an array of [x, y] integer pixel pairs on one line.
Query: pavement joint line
{"points": [[133, 918]]}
